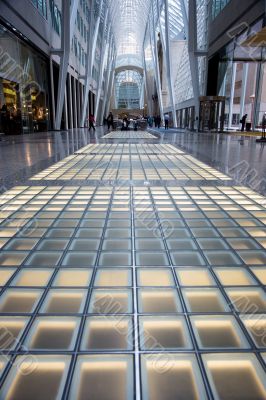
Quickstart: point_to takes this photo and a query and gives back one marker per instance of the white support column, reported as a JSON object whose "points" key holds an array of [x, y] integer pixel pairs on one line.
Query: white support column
{"points": [[232, 94], [102, 65], [168, 63], [52, 90], [145, 75], [156, 62], [111, 84], [142, 95], [70, 101], [90, 60], [75, 102], [244, 88], [69, 13], [66, 111], [111, 66]]}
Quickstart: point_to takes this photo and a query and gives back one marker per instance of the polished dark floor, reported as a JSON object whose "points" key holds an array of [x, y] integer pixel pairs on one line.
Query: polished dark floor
{"points": [[241, 158]]}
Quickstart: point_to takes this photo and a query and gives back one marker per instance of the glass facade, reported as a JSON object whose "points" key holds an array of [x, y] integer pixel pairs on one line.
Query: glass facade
{"points": [[41, 6], [23, 87]]}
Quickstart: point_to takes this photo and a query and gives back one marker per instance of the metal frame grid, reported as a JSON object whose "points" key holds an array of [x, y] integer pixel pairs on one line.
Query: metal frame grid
{"points": [[150, 230], [128, 166]]}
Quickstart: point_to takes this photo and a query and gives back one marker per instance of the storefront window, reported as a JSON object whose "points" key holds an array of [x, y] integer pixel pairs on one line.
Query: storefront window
{"points": [[23, 87]]}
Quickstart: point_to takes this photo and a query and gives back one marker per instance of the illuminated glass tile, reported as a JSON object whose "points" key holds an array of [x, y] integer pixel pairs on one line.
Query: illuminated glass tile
{"points": [[158, 301], [64, 301], [209, 300], [52, 244], [256, 326], [79, 259], [73, 277], [43, 371], [112, 277], [155, 277], [111, 302], [44, 259], [21, 244], [11, 330], [5, 275], [31, 277], [235, 376], [253, 257], [103, 376], [234, 276], [152, 259], [171, 376], [159, 333], [10, 259], [260, 273], [19, 300], [52, 333], [218, 332], [194, 277], [247, 300], [107, 333]]}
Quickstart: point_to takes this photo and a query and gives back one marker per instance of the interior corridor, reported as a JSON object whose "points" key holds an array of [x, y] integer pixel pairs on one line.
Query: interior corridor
{"points": [[130, 269]]}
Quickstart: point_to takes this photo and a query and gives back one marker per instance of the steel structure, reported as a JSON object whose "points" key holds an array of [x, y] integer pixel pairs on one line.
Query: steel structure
{"points": [[118, 32]]}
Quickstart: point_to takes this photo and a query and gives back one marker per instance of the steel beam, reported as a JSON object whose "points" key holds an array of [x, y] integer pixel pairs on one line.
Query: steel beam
{"points": [[91, 59], [102, 65], [69, 12]]}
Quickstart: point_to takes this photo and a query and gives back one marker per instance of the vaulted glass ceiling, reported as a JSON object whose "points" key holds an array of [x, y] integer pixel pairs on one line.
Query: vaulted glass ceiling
{"points": [[129, 19]]}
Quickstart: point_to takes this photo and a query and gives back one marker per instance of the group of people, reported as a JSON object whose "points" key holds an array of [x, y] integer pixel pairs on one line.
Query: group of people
{"points": [[157, 121], [109, 120]]}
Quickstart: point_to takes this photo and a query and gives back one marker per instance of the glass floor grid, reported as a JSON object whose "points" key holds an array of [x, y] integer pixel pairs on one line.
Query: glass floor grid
{"points": [[129, 135], [129, 149], [99, 280], [130, 167], [132, 292]]}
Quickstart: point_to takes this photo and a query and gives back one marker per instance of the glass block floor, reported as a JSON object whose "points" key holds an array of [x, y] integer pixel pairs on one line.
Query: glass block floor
{"points": [[129, 149], [129, 135], [127, 166], [132, 292]]}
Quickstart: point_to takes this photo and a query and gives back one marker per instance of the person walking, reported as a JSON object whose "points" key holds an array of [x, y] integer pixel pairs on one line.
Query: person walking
{"points": [[91, 122], [150, 121], [243, 122], [159, 121], [110, 121], [166, 121]]}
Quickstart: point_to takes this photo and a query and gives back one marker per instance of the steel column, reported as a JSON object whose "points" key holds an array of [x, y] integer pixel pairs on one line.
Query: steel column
{"points": [[69, 13], [156, 62], [90, 61]]}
